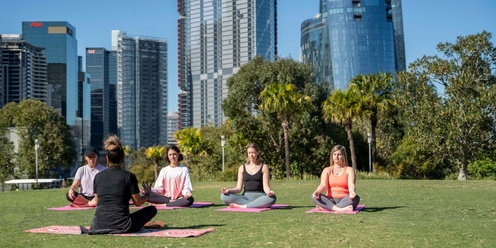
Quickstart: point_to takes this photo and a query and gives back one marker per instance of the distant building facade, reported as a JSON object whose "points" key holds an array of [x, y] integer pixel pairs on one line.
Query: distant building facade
{"points": [[215, 38], [60, 49], [172, 127], [352, 37], [97, 65], [141, 89], [23, 71]]}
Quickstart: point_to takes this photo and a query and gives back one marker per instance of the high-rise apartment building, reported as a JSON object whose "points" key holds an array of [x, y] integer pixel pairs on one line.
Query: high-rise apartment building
{"points": [[97, 65], [141, 89], [215, 38], [23, 73], [60, 49], [172, 127], [352, 37]]}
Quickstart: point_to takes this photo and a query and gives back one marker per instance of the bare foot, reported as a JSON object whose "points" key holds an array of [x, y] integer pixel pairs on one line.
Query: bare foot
{"points": [[234, 205], [158, 205], [78, 205], [345, 209], [154, 224]]}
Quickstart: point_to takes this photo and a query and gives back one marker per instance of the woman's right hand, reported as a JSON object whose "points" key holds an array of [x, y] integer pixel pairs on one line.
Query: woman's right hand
{"points": [[316, 195], [224, 191], [71, 194]]}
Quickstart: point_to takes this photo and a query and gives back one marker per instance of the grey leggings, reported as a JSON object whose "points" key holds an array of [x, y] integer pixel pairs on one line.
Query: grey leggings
{"points": [[250, 199], [161, 199], [326, 202]]}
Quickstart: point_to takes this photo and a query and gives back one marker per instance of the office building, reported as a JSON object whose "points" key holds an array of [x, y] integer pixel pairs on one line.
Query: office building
{"points": [[172, 127], [60, 49], [215, 38], [352, 37], [97, 65], [141, 89], [23, 71]]}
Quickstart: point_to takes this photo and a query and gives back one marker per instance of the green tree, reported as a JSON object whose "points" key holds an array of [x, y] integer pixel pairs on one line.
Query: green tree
{"points": [[343, 107], [32, 120], [466, 72], [7, 154], [285, 102], [420, 149], [156, 154], [249, 124], [374, 95]]}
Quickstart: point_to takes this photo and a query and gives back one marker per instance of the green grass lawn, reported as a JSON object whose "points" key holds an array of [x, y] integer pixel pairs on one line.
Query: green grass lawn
{"points": [[398, 213]]}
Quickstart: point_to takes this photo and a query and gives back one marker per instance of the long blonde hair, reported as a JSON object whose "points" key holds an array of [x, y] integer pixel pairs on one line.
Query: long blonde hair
{"points": [[343, 151]]}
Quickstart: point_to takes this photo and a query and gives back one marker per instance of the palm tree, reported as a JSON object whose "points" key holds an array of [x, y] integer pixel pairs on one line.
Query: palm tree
{"points": [[342, 107], [156, 153], [283, 100], [190, 141], [374, 92]]}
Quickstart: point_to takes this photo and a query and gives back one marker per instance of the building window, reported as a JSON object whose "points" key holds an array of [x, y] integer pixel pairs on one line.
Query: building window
{"points": [[356, 3], [357, 17]]}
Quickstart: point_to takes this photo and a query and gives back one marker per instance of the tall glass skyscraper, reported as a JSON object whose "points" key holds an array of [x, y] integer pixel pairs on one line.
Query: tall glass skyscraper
{"points": [[23, 71], [97, 65], [215, 39], [352, 37], [59, 41], [141, 89]]}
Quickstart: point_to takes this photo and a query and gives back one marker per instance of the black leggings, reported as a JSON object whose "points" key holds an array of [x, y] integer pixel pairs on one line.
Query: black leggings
{"points": [[141, 217], [76, 194], [160, 199]]}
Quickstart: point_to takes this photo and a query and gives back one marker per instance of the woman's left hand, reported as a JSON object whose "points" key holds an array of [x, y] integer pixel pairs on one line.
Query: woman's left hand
{"points": [[271, 193], [352, 194], [147, 188], [188, 195]]}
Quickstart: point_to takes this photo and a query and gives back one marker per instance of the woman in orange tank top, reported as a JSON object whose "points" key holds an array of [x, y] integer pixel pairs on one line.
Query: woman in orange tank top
{"points": [[339, 182]]}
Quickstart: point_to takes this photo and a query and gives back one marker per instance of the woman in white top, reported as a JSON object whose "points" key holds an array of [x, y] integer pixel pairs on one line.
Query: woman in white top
{"points": [[173, 186]]}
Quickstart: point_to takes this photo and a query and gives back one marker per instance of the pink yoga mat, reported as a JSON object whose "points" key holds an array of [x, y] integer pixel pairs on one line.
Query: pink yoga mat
{"points": [[195, 205], [172, 233], [69, 208], [255, 210], [317, 210]]}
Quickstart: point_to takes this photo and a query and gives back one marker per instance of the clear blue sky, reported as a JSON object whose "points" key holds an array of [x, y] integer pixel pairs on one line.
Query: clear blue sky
{"points": [[426, 23]]}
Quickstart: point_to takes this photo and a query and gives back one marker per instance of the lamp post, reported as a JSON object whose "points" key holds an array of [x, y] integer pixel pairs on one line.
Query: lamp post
{"points": [[369, 140], [36, 146], [223, 144]]}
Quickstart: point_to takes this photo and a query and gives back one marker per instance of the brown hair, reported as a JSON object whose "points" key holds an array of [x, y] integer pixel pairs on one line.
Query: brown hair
{"points": [[343, 151], [176, 149], [115, 152], [254, 146]]}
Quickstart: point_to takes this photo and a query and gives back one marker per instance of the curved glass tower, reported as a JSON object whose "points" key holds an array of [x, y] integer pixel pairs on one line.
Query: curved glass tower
{"points": [[352, 37]]}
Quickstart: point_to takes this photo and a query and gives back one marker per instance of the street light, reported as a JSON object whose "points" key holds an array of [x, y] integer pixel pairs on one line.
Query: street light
{"points": [[369, 140], [36, 146], [223, 144]]}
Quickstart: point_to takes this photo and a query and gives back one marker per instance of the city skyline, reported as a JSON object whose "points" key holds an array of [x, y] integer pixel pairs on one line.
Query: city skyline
{"points": [[426, 23]]}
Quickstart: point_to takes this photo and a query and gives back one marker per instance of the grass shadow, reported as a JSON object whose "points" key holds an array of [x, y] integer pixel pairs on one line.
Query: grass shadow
{"points": [[377, 209]]}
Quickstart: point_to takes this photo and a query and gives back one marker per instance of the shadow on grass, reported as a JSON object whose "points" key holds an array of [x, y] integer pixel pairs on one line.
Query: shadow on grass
{"points": [[372, 209], [195, 226]]}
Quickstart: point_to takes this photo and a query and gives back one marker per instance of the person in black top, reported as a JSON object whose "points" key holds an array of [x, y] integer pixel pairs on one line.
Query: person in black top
{"points": [[255, 178], [113, 188]]}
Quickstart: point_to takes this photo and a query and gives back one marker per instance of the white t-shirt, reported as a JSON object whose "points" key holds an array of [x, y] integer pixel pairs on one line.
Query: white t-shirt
{"points": [[85, 175]]}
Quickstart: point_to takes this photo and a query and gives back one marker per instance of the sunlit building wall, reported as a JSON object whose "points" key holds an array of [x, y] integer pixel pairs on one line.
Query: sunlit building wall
{"points": [[141, 89], [215, 38]]}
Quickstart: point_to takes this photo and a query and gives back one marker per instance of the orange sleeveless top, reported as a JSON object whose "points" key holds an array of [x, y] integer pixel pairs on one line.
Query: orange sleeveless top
{"points": [[337, 186]]}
